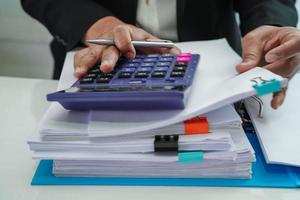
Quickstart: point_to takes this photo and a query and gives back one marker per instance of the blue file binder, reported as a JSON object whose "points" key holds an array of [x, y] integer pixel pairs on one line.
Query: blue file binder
{"points": [[264, 175]]}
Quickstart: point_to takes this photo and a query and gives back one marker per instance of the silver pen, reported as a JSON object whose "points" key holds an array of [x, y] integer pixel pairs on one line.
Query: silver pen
{"points": [[135, 43]]}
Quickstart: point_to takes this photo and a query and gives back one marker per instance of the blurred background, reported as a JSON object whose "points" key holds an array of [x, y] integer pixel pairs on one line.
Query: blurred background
{"points": [[24, 43]]}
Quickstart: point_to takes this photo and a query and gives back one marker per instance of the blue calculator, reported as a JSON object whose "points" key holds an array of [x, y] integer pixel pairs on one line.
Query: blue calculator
{"points": [[153, 81]]}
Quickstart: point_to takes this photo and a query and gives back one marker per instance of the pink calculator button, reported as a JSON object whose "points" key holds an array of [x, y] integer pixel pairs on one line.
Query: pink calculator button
{"points": [[184, 55], [183, 59]]}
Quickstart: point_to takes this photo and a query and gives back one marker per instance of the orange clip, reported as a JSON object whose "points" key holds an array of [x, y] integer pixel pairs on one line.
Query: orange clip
{"points": [[196, 125]]}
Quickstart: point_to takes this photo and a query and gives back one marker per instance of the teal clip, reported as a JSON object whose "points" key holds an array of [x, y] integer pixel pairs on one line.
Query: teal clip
{"points": [[190, 157], [267, 87]]}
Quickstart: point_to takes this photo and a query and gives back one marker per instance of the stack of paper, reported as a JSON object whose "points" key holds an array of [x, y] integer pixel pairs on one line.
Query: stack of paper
{"points": [[133, 143], [224, 152]]}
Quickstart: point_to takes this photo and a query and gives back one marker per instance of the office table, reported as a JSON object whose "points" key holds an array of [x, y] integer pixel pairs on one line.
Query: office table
{"points": [[22, 104]]}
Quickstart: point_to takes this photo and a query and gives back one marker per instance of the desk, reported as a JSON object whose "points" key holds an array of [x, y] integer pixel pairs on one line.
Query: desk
{"points": [[22, 104]]}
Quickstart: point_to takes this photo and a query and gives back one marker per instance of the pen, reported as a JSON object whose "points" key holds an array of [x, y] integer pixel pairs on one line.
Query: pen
{"points": [[145, 44]]}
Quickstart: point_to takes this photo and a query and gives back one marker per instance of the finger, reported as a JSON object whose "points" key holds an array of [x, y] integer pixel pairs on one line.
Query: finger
{"points": [[122, 39], [77, 59], [174, 50], [285, 50], [286, 68], [90, 59], [109, 59], [252, 53], [140, 34], [278, 98]]}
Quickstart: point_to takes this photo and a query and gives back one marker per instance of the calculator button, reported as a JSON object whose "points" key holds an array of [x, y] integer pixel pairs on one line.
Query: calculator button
{"points": [[136, 60], [177, 74], [184, 55], [145, 69], [86, 80], [141, 75], [125, 75], [180, 64], [150, 60], [183, 59], [171, 80], [179, 68], [153, 55], [158, 74], [94, 71], [150, 64], [108, 75], [161, 68], [131, 69], [166, 59], [131, 65], [91, 76], [163, 64], [168, 55], [103, 80], [136, 82]]}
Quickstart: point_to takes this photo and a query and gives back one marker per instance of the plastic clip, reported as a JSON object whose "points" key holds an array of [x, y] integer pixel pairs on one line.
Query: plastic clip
{"points": [[190, 157], [196, 125], [165, 143], [263, 87]]}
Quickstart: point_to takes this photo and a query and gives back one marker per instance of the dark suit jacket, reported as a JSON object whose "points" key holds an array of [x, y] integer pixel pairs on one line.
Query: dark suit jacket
{"points": [[68, 20]]}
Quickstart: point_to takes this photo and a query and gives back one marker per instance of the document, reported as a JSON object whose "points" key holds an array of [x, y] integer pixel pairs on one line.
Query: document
{"points": [[279, 130]]}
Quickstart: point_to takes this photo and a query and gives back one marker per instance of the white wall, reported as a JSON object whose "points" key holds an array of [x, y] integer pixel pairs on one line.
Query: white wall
{"points": [[24, 43]]}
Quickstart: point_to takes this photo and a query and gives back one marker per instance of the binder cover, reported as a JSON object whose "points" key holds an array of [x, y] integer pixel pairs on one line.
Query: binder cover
{"points": [[264, 175]]}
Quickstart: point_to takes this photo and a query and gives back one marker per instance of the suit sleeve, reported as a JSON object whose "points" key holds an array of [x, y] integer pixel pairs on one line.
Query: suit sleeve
{"points": [[255, 13], [66, 20]]}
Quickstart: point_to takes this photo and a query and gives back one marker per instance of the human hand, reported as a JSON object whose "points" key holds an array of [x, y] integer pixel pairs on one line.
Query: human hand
{"points": [[122, 34], [274, 48]]}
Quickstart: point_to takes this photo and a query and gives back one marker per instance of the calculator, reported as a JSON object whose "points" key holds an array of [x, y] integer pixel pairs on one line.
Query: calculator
{"points": [[153, 81]]}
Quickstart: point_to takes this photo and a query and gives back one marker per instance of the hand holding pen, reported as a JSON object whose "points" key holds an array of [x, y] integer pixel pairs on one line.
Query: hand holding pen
{"points": [[125, 40]]}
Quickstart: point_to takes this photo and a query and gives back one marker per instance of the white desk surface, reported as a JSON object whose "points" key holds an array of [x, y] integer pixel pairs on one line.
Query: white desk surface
{"points": [[22, 103]]}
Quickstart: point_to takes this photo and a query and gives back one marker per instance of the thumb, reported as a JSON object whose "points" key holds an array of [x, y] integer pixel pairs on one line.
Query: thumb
{"points": [[252, 55]]}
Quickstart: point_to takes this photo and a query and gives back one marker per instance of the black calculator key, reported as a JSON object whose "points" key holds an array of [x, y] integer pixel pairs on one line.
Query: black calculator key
{"points": [[103, 80], [86, 80], [125, 75], [94, 71], [108, 75], [90, 76], [177, 74], [179, 68], [180, 64], [158, 74], [141, 75]]}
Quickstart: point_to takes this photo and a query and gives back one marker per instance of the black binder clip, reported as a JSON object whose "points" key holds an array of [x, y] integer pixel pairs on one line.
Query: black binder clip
{"points": [[166, 143]]}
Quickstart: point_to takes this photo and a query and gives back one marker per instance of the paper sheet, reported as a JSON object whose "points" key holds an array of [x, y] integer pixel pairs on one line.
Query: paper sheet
{"points": [[279, 130]]}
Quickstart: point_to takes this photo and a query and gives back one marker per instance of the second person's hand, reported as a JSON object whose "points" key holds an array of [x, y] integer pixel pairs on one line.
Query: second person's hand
{"points": [[274, 48], [122, 34]]}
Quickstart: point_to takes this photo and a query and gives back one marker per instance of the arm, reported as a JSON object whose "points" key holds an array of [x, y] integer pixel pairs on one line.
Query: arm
{"points": [[66, 20], [255, 13]]}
